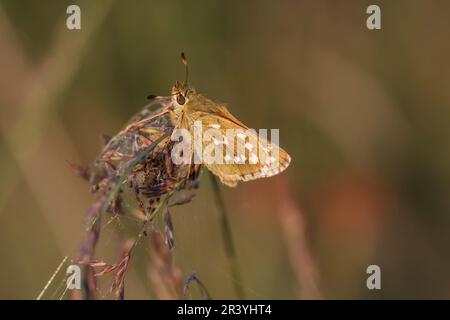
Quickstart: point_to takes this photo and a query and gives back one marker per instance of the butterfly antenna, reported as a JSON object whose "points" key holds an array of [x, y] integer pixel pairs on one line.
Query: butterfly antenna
{"points": [[184, 61]]}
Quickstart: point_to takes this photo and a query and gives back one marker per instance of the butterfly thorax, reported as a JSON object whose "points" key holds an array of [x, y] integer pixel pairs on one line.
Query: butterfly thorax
{"points": [[187, 103]]}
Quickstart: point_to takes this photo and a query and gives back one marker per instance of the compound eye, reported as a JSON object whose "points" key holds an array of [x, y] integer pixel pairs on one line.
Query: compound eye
{"points": [[181, 99]]}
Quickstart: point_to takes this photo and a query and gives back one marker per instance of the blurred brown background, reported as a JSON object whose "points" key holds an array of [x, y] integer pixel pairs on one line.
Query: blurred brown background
{"points": [[364, 115]]}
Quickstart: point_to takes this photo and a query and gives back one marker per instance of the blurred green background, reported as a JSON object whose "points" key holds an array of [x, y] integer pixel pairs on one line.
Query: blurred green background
{"points": [[364, 115]]}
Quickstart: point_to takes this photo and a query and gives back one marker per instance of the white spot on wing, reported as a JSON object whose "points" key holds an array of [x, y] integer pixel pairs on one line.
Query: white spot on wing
{"points": [[253, 159], [249, 146], [264, 171]]}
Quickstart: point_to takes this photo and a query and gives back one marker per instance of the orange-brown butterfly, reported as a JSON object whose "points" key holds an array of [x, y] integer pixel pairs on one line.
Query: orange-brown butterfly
{"points": [[189, 107], [260, 158]]}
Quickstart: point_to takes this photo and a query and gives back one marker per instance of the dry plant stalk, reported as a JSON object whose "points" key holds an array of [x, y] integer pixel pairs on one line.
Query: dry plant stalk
{"points": [[136, 160], [167, 279], [294, 229]]}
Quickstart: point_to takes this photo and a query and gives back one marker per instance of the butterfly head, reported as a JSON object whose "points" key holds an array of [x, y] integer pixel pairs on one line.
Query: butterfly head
{"points": [[181, 93]]}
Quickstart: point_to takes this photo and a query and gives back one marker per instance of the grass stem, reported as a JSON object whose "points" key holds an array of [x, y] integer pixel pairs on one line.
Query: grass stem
{"points": [[230, 249]]}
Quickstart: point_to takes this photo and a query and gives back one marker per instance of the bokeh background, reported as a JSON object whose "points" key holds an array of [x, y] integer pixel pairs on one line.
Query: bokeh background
{"points": [[364, 115]]}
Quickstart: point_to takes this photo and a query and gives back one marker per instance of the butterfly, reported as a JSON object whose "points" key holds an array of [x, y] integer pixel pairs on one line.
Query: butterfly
{"points": [[246, 155]]}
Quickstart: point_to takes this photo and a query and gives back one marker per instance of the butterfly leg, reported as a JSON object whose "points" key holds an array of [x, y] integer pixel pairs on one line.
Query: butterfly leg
{"points": [[188, 171], [191, 151]]}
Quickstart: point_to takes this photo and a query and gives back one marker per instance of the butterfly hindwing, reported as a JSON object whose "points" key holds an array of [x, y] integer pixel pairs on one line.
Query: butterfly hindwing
{"points": [[246, 155]]}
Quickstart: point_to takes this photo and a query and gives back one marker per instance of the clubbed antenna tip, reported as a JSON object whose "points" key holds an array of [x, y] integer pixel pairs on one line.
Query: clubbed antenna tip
{"points": [[184, 61], [183, 58]]}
